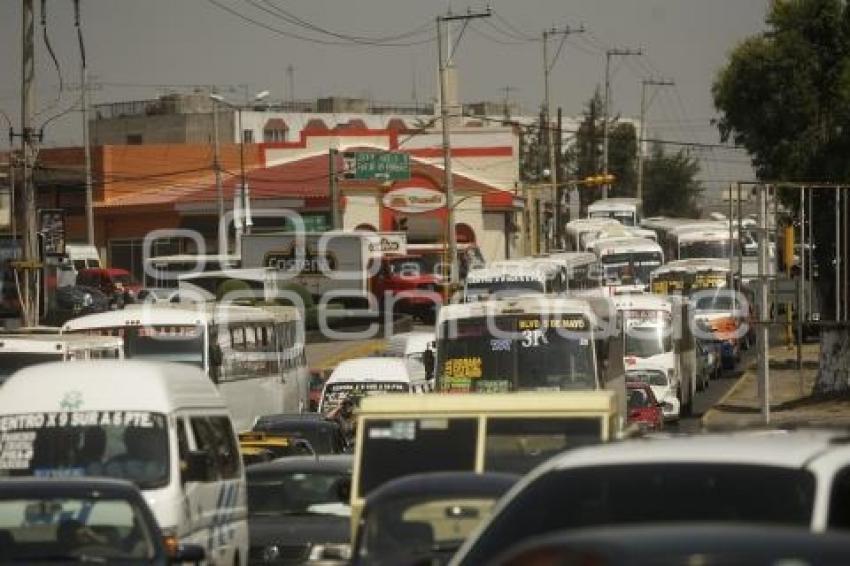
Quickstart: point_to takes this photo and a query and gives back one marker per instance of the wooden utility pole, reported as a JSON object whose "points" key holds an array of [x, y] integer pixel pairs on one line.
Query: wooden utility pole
{"points": [[608, 54], [644, 105], [447, 148]]}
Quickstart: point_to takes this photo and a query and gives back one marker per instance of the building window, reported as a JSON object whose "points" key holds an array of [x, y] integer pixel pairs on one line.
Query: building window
{"points": [[272, 136], [248, 136], [134, 139]]}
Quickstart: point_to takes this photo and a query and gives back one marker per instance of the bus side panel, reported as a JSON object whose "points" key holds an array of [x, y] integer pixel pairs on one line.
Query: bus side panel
{"points": [[615, 373]]}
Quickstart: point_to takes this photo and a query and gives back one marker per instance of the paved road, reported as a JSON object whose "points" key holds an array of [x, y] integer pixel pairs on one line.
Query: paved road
{"points": [[708, 398]]}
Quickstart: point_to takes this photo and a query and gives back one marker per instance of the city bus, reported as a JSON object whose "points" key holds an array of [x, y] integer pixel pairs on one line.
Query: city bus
{"points": [[529, 343], [581, 230], [255, 357], [656, 333], [18, 351], [627, 263], [698, 241], [626, 211], [685, 276], [515, 277], [583, 273], [498, 432]]}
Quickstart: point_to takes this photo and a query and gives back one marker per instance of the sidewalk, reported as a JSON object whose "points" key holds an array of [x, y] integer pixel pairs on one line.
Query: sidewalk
{"points": [[790, 400]]}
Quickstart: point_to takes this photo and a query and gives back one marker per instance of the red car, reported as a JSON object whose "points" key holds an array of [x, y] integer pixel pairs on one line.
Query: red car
{"points": [[406, 280], [643, 408], [115, 283]]}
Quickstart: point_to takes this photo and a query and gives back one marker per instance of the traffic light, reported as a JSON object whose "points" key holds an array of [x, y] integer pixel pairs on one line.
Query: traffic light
{"points": [[597, 180]]}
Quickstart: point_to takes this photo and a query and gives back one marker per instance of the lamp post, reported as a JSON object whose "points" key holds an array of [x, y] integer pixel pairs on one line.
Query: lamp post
{"points": [[243, 181]]}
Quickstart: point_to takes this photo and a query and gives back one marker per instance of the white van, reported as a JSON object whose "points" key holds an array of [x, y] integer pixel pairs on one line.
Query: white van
{"points": [[162, 426], [370, 376]]}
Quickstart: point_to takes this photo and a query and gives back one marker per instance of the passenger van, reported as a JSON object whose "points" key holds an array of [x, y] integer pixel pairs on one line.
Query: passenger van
{"points": [[18, 351], [162, 426], [362, 377]]}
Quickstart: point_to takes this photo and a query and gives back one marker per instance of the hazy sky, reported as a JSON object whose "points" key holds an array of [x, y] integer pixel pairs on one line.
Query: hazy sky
{"points": [[137, 48]]}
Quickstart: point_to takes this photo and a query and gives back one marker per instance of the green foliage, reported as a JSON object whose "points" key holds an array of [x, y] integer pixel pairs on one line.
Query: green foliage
{"points": [[785, 96], [622, 149], [669, 184]]}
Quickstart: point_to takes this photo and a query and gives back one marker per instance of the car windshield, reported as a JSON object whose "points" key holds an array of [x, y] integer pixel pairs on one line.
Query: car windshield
{"points": [[649, 493], [131, 445], [168, 343], [630, 267], [296, 493], [40, 528], [639, 398], [516, 352], [644, 341], [650, 377], [403, 531], [123, 278]]}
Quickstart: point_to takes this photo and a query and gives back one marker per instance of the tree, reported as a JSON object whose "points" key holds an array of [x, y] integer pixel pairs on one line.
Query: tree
{"points": [[785, 96], [670, 185], [622, 149]]}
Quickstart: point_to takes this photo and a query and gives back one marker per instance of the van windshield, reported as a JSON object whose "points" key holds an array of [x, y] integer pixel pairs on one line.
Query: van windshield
{"points": [[336, 392], [130, 445]]}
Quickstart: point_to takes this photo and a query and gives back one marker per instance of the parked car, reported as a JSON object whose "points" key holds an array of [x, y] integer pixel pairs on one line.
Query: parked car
{"points": [[424, 518], [781, 478], [75, 520], [657, 545], [115, 283], [77, 300], [298, 510], [664, 388], [644, 410], [324, 436]]}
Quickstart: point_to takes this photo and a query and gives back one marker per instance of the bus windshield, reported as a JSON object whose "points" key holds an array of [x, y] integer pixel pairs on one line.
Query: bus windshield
{"points": [[504, 285], [630, 267], [646, 340], [131, 445], [516, 352], [167, 343], [625, 217], [706, 249]]}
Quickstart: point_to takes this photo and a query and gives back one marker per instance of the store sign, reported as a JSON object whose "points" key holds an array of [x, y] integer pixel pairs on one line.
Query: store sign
{"points": [[412, 200]]}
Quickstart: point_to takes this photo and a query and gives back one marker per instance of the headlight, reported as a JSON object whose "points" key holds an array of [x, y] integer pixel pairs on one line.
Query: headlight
{"points": [[330, 552], [88, 300], [671, 374], [271, 553]]}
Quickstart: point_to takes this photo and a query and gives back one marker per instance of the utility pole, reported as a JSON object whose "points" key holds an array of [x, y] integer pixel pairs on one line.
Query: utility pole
{"points": [[508, 90], [333, 153], [608, 54], [84, 107], [290, 75], [219, 186], [644, 106], [447, 148], [547, 68]]}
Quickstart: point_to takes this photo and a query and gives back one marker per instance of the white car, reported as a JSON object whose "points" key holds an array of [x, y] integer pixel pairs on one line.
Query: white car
{"points": [[785, 478], [664, 388]]}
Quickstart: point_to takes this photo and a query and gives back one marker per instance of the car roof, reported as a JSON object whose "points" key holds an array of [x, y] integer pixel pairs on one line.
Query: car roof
{"points": [[340, 463], [370, 369], [460, 484], [781, 448], [644, 544], [11, 487]]}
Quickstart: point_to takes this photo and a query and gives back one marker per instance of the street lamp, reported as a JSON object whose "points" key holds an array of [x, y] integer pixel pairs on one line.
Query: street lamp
{"points": [[221, 100]]}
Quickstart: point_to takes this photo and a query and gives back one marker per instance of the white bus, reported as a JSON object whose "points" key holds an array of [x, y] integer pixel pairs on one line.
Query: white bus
{"points": [[627, 263], [656, 332], [581, 230], [506, 278], [18, 351], [256, 357], [698, 241], [528, 343], [583, 273], [626, 211]]}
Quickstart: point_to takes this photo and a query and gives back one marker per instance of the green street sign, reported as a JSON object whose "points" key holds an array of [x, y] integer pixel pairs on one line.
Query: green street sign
{"points": [[368, 165]]}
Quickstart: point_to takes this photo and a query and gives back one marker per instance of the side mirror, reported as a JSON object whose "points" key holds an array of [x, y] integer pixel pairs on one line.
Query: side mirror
{"points": [[193, 553], [198, 467], [343, 490]]}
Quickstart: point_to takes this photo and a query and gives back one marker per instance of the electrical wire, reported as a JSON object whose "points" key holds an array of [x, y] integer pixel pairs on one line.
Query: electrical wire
{"points": [[493, 39], [49, 47], [291, 35], [519, 33]]}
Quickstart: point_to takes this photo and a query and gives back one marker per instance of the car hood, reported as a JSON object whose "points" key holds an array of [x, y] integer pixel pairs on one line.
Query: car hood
{"points": [[299, 529]]}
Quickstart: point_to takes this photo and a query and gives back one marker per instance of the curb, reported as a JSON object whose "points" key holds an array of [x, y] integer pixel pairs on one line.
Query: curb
{"points": [[722, 401]]}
